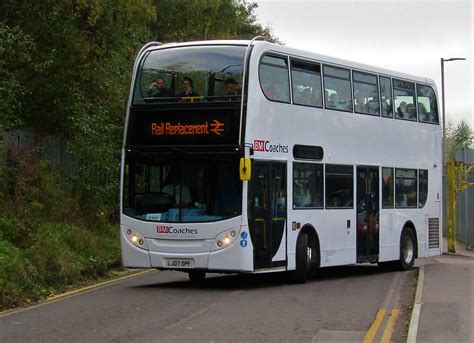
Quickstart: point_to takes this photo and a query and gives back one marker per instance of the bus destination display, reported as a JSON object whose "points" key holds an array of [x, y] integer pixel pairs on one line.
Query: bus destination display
{"points": [[188, 127]]}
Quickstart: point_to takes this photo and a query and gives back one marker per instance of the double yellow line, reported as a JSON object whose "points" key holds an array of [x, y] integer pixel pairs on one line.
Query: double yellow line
{"points": [[388, 331], [75, 292]]}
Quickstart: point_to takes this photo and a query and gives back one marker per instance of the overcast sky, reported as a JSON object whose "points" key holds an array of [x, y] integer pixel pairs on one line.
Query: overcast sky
{"points": [[408, 36]]}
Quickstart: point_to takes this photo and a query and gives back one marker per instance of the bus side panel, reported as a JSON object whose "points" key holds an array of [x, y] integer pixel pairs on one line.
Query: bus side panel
{"points": [[389, 236]]}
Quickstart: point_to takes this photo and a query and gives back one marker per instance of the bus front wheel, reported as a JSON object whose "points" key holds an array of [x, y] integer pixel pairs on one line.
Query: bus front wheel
{"points": [[196, 276], [303, 259]]}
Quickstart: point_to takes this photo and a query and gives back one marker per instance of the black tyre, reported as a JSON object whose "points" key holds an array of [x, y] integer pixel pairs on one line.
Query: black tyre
{"points": [[196, 276], [303, 259], [388, 266], [315, 261], [407, 249]]}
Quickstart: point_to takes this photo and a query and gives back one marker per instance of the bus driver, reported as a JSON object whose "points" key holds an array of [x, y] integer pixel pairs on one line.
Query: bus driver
{"points": [[175, 188]]}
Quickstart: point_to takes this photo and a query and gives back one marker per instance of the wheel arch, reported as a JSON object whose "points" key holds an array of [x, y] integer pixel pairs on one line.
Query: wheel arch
{"points": [[313, 239], [409, 224]]}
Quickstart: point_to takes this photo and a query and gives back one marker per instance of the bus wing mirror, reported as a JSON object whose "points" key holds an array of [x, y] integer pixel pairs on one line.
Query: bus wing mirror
{"points": [[245, 169]]}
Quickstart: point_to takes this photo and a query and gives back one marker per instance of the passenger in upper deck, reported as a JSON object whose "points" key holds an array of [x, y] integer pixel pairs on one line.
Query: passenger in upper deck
{"points": [[187, 88], [337, 102], [411, 109], [360, 105], [280, 92], [266, 88], [402, 111], [386, 107], [231, 87], [373, 106], [158, 89], [422, 112]]}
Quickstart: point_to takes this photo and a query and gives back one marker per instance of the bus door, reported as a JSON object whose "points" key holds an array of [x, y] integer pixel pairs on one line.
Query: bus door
{"points": [[267, 214], [367, 214]]}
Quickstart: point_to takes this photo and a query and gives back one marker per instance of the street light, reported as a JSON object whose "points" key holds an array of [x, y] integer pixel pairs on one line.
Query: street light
{"points": [[443, 157]]}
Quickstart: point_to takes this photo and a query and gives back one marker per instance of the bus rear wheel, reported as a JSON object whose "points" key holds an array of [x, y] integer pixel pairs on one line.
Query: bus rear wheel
{"points": [[407, 249], [196, 276]]}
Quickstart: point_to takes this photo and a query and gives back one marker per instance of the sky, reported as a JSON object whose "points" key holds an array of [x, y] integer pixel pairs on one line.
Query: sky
{"points": [[408, 36]]}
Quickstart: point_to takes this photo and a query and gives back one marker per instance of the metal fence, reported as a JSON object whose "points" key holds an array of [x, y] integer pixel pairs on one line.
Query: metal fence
{"points": [[50, 148], [465, 203], [17, 143]]}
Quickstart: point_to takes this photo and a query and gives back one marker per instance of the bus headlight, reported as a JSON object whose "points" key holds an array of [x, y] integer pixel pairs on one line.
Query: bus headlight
{"points": [[136, 238], [224, 239]]}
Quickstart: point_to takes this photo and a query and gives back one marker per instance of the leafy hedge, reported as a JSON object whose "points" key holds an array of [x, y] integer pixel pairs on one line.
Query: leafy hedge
{"points": [[46, 241], [59, 255]]}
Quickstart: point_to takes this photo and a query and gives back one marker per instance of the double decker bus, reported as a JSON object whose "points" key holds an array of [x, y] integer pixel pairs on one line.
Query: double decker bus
{"points": [[310, 161]]}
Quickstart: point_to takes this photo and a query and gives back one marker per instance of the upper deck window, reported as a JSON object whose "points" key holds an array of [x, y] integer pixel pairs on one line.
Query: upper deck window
{"points": [[404, 93], [427, 105], [386, 95], [366, 93], [273, 73], [337, 88], [306, 81], [194, 73]]}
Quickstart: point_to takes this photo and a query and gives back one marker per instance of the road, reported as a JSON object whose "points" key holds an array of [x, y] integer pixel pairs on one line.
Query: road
{"points": [[340, 304]]}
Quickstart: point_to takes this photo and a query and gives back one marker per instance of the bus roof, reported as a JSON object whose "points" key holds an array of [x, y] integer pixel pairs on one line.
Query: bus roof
{"points": [[302, 54]]}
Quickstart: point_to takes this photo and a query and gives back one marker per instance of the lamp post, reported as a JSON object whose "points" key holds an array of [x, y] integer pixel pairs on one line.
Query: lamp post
{"points": [[451, 245]]}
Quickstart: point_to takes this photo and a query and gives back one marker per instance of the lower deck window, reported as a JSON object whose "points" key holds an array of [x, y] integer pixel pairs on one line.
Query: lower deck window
{"points": [[387, 188], [339, 186], [405, 188], [307, 185], [422, 188]]}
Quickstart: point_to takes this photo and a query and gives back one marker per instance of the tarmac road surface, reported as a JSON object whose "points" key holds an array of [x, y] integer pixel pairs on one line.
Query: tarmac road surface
{"points": [[351, 303]]}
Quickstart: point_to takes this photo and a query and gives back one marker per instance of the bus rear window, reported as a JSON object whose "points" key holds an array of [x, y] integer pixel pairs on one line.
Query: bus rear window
{"points": [[427, 105], [190, 74]]}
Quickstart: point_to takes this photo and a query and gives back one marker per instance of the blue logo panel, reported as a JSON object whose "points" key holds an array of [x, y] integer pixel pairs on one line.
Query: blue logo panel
{"points": [[244, 235], [243, 243]]}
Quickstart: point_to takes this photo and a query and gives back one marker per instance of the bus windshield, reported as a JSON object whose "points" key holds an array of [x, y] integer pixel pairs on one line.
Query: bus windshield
{"points": [[191, 74], [182, 188]]}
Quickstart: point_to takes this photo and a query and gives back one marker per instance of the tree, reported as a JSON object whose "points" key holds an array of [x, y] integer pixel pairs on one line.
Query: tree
{"points": [[179, 20], [66, 69], [82, 59], [16, 49], [458, 136]]}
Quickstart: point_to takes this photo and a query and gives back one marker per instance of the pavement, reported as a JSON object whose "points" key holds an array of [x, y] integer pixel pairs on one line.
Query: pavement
{"points": [[443, 310]]}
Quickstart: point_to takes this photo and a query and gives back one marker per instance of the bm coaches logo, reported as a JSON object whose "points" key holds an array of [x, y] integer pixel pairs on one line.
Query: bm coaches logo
{"points": [[175, 231], [261, 145]]}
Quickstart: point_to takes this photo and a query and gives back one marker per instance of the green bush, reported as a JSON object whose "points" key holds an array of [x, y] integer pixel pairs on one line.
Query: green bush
{"points": [[18, 277], [64, 253], [59, 255], [13, 230]]}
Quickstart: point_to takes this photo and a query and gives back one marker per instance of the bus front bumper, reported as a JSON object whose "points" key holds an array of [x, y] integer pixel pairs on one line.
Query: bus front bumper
{"points": [[237, 257]]}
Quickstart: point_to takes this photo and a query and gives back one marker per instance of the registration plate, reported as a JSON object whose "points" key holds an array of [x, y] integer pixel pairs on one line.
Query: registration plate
{"points": [[179, 263]]}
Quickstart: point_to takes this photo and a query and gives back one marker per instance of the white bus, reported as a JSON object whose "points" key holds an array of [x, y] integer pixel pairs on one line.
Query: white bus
{"points": [[277, 159]]}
